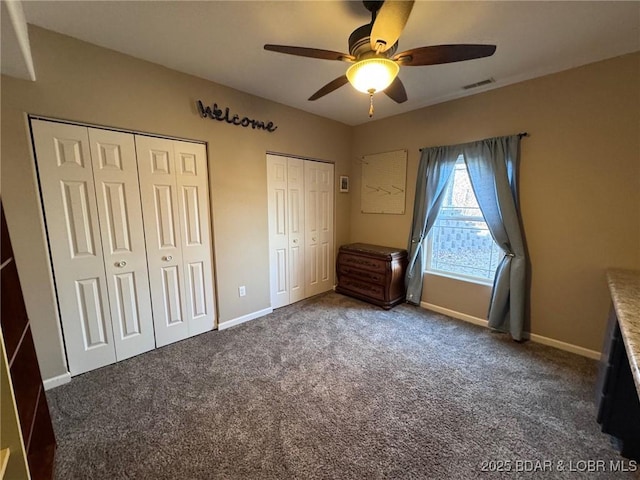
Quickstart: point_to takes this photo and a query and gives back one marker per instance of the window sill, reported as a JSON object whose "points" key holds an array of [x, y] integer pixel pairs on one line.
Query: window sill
{"points": [[460, 278]]}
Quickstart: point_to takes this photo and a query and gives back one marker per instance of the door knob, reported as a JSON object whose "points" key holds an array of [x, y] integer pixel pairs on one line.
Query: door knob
{"points": [[313, 239], [295, 240], [121, 264], [167, 258]]}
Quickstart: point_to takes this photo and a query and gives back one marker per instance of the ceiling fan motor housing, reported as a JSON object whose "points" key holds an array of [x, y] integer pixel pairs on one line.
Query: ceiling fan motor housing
{"points": [[372, 6], [360, 44]]}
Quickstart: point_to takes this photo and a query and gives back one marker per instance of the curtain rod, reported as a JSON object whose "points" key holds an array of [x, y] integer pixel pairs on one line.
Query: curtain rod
{"points": [[521, 134]]}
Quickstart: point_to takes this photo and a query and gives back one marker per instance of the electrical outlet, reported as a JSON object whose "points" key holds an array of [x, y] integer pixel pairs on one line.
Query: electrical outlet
{"points": [[242, 291]]}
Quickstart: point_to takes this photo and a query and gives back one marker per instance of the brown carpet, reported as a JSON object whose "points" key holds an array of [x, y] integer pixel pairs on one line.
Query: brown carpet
{"points": [[334, 388]]}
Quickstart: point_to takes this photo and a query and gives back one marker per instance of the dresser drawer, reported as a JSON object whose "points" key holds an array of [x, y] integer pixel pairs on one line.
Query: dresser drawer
{"points": [[374, 277], [371, 264], [363, 287]]}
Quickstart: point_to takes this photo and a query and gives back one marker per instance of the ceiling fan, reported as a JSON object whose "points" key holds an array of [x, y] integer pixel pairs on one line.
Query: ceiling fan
{"points": [[372, 53]]}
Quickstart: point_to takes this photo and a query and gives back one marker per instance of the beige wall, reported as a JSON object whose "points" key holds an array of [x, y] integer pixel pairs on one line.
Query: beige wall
{"points": [[579, 179], [82, 82]]}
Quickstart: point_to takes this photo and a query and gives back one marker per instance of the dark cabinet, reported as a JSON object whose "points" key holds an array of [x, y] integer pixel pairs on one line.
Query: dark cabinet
{"points": [[616, 395], [372, 273], [24, 372]]}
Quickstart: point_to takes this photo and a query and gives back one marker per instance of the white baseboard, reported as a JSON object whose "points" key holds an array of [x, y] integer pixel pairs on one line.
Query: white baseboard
{"points": [[54, 382], [534, 337], [454, 314], [244, 318], [568, 347]]}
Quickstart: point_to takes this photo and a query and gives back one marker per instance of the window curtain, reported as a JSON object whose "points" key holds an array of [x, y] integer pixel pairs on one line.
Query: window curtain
{"points": [[434, 170], [492, 165]]}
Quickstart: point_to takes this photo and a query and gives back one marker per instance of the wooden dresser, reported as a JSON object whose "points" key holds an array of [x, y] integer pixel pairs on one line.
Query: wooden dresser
{"points": [[372, 273]]}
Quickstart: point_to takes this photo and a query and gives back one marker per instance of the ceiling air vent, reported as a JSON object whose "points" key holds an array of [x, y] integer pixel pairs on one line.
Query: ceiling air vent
{"points": [[479, 84]]}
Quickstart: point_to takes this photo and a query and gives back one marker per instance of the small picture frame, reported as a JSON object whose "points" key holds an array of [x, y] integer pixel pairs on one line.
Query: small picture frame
{"points": [[344, 184]]}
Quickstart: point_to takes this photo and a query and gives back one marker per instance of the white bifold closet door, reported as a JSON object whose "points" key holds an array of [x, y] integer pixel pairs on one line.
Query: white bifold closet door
{"points": [[115, 174], [173, 186], [300, 205], [128, 225], [286, 229], [319, 191], [92, 206]]}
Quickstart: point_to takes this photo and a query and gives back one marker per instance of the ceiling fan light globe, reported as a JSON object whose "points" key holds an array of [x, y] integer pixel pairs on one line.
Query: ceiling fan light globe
{"points": [[372, 74]]}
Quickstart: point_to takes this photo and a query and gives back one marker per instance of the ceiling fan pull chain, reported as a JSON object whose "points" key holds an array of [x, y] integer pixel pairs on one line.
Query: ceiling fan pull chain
{"points": [[370, 104]]}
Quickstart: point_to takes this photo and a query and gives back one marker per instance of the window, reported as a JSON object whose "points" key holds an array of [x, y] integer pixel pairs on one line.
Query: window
{"points": [[459, 244]]}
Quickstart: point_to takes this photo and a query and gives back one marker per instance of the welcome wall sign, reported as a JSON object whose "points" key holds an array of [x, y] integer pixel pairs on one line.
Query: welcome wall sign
{"points": [[215, 113]]}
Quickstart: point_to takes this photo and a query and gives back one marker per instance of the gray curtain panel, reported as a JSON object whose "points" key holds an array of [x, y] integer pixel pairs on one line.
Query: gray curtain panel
{"points": [[493, 165], [434, 171]]}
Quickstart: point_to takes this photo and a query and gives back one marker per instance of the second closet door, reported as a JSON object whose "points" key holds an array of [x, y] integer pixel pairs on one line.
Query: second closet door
{"points": [[175, 212], [300, 205]]}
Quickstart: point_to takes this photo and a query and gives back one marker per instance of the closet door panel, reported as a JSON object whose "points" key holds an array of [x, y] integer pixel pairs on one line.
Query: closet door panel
{"points": [[159, 193], [319, 227], [115, 173], [192, 182], [69, 198], [295, 190], [326, 229], [312, 277], [171, 295], [278, 229]]}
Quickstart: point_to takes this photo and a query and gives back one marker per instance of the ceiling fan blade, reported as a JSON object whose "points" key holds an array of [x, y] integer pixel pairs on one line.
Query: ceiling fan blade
{"points": [[330, 87], [438, 54], [310, 52], [396, 91], [389, 23]]}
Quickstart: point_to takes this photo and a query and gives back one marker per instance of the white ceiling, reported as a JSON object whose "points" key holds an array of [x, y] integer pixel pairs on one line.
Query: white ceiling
{"points": [[222, 42]]}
